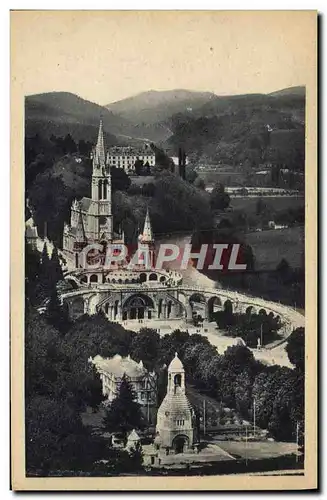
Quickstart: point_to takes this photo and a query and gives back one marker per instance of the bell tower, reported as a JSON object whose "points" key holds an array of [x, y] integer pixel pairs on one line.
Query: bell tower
{"points": [[176, 376], [146, 242], [101, 188]]}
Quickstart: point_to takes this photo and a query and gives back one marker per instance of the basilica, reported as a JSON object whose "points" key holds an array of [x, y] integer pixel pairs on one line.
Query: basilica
{"points": [[91, 218]]}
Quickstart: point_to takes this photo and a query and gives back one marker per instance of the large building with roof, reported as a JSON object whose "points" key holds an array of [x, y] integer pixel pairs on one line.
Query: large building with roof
{"points": [[125, 157], [112, 371]]}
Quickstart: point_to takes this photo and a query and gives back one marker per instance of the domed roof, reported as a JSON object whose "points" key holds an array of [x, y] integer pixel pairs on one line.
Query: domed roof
{"points": [[176, 364]]}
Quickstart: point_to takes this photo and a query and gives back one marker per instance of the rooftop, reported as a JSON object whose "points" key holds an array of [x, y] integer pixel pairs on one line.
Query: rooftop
{"points": [[176, 364], [118, 366]]}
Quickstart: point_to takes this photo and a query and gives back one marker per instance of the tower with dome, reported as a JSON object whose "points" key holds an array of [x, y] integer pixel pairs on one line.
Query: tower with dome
{"points": [[175, 418]]}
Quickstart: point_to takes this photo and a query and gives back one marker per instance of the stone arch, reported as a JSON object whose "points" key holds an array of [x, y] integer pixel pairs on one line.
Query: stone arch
{"points": [[197, 305], [153, 277], [142, 277], [137, 306], [92, 303], [197, 297], [93, 278], [215, 300], [250, 310], [162, 279], [228, 305], [180, 443], [73, 282]]}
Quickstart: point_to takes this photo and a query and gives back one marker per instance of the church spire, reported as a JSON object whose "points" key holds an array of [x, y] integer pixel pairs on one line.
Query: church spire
{"points": [[100, 154], [147, 235], [80, 231]]}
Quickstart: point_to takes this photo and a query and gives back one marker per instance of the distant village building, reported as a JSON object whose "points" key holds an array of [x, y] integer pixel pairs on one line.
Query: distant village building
{"points": [[175, 418], [112, 370], [125, 157], [31, 233], [272, 225], [133, 440]]}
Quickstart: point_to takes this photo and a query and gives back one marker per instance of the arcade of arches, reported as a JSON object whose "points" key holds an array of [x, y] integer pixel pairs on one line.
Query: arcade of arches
{"points": [[154, 305]]}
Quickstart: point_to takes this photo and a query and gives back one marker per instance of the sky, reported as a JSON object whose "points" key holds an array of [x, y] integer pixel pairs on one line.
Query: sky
{"points": [[107, 56]]}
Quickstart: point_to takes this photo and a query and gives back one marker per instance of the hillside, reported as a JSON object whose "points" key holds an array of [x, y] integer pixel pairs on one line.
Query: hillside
{"points": [[293, 91], [231, 129], [156, 107], [60, 113]]}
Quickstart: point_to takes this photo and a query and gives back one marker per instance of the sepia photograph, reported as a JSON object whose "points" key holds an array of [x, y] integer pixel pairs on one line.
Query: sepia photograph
{"points": [[163, 273]]}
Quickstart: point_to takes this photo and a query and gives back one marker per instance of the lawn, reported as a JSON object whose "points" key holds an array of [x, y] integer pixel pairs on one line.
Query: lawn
{"points": [[270, 247], [257, 449]]}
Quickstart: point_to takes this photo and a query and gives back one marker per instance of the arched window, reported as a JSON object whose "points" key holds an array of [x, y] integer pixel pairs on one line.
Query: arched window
{"points": [[153, 277], [100, 190], [93, 278], [105, 190], [162, 279]]}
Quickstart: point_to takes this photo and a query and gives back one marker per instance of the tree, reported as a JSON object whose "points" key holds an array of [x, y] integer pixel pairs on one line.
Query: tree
{"points": [[136, 456], [119, 179], [284, 271], [199, 183], [45, 282], [191, 175], [295, 348], [32, 273], [148, 190], [145, 347], [56, 269], [124, 413], [69, 145], [56, 312], [138, 167], [219, 199]]}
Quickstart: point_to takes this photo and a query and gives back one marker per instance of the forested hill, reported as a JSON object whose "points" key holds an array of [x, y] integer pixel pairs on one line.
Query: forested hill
{"points": [[158, 106], [62, 113], [232, 129]]}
